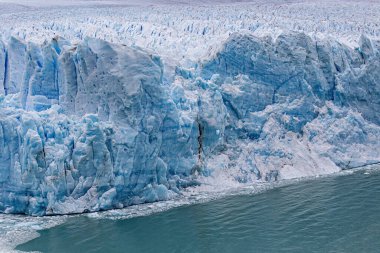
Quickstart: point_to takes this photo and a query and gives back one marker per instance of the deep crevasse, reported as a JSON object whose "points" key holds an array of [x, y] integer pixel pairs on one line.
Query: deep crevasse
{"points": [[96, 125]]}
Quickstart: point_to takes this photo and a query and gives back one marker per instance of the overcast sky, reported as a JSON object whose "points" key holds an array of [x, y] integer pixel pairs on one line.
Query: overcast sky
{"points": [[126, 2]]}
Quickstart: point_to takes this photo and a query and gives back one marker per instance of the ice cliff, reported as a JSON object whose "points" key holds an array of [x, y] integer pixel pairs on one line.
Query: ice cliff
{"points": [[96, 125]]}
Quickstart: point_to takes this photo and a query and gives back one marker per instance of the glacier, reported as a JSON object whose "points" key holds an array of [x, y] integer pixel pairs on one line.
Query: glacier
{"points": [[94, 125], [107, 105]]}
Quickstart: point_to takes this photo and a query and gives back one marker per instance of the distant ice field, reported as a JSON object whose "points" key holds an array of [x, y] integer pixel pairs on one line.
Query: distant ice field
{"points": [[186, 30]]}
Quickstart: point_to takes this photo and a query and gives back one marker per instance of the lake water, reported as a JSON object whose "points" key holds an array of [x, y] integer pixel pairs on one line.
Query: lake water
{"points": [[334, 214]]}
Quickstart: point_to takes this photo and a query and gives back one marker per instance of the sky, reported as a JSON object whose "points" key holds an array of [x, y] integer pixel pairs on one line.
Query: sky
{"points": [[117, 2]]}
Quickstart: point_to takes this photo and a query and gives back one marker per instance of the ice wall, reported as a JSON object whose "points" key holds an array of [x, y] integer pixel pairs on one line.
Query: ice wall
{"points": [[95, 125]]}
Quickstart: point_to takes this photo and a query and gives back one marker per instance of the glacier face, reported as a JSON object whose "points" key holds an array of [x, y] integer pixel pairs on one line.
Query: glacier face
{"points": [[110, 138], [94, 125]]}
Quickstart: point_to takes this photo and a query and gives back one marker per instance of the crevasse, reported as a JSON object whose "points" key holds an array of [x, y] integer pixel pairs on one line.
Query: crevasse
{"points": [[95, 125]]}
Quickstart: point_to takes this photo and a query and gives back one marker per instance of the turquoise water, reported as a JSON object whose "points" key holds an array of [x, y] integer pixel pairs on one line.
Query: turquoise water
{"points": [[336, 214]]}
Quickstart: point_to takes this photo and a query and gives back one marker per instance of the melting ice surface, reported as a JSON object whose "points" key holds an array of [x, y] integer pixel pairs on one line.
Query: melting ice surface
{"points": [[90, 125]]}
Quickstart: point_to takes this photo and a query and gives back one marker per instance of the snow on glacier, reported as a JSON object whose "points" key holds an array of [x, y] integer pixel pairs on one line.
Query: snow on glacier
{"points": [[137, 106]]}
